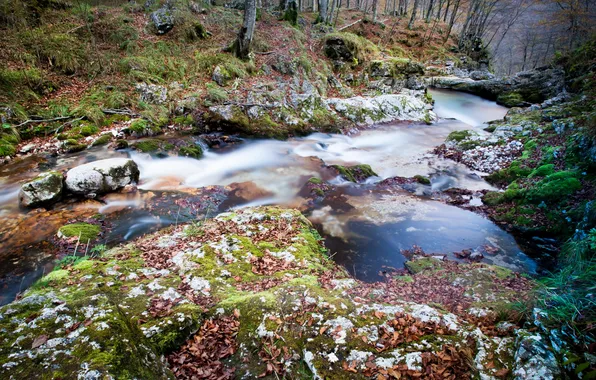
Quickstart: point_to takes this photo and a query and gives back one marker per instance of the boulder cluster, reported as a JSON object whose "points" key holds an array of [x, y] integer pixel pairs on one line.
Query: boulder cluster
{"points": [[87, 180]]}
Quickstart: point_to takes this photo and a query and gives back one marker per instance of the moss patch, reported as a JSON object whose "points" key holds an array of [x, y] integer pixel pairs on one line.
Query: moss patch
{"points": [[85, 231]]}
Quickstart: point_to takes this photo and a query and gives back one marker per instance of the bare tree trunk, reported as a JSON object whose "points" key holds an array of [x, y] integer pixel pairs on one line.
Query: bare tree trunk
{"points": [[330, 16], [323, 10], [414, 11], [452, 20], [374, 10], [429, 12], [447, 11], [244, 40]]}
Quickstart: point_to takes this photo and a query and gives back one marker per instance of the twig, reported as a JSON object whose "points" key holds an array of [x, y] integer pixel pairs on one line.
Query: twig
{"points": [[347, 26], [67, 123], [265, 52], [124, 111], [43, 120]]}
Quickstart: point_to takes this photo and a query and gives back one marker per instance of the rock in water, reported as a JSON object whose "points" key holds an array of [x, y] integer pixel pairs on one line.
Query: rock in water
{"points": [[41, 191], [102, 176], [163, 20]]}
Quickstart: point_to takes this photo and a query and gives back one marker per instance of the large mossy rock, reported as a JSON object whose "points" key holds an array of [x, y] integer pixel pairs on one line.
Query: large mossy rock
{"points": [[532, 86], [395, 68], [162, 20], [349, 47], [264, 271], [102, 176], [44, 190]]}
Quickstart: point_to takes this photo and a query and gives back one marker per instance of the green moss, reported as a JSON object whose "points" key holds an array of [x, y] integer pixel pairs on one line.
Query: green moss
{"points": [[422, 179], [511, 99], [85, 231], [554, 187], [191, 151], [149, 145], [542, 171], [315, 180], [7, 148], [88, 130], [142, 127], [359, 49], [356, 173], [121, 144], [516, 170], [102, 140], [422, 264], [55, 276], [459, 136], [492, 198]]}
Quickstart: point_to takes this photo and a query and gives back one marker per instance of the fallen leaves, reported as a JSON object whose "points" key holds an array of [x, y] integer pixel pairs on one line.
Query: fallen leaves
{"points": [[39, 341], [268, 264], [201, 356], [405, 329], [451, 363]]}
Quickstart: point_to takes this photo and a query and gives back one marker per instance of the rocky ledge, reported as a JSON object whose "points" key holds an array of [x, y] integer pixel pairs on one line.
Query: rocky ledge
{"points": [[522, 89], [253, 294]]}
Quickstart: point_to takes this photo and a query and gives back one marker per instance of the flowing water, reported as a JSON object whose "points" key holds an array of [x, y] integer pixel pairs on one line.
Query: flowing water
{"points": [[365, 226]]}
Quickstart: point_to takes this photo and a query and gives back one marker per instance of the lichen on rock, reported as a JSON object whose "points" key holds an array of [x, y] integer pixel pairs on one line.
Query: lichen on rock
{"points": [[265, 268]]}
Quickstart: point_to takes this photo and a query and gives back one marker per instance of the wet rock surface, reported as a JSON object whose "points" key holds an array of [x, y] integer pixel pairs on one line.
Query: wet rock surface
{"points": [[260, 277], [102, 176], [43, 190]]}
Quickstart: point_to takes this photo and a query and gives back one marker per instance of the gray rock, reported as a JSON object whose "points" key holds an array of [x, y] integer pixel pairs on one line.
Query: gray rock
{"points": [[533, 86], [152, 93], [27, 148], [41, 191], [162, 20], [102, 176], [534, 359], [481, 75], [219, 76]]}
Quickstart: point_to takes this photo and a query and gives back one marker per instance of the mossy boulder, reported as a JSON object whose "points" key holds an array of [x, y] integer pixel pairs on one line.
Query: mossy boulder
{"points": [[357, 173], [395, 68], [266, 268], [153, 146], [193, 151], [349, 47], [554, 187], [511, 99], [102, 140], [43, 190], [84, 232]]}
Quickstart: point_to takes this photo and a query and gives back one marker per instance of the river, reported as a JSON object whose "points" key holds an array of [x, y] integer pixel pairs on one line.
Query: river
{"points": [[364, 228]]}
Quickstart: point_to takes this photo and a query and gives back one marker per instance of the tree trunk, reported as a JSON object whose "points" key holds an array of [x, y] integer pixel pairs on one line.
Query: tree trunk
{"points": [[452, 20], [446, 10], [323, 10], [374, 6], [414, 11], [330, 15], [244, 40], [429, 12]]}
